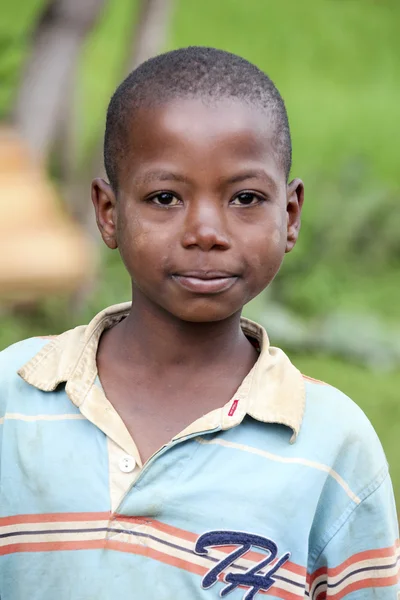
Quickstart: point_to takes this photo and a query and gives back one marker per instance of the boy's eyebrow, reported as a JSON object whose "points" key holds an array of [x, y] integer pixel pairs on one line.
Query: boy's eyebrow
{"points": [[251, 174], [161, 175]]}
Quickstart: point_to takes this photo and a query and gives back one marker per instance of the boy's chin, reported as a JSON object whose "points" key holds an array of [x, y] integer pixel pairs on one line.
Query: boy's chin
{"points": [[210, 314]]}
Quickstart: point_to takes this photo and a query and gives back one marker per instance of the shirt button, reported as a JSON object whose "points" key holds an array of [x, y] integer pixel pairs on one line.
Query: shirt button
{"points": [[127, 464]]}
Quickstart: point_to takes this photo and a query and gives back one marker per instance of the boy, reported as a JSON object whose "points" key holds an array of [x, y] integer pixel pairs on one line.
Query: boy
{"points": [[165, 450]]}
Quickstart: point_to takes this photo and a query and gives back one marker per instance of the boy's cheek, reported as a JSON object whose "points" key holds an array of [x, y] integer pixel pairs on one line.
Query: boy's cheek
{"points": [[134, 238], [276, 237]]}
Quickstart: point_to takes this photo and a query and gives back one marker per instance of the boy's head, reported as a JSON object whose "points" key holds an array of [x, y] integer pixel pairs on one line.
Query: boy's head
{"points": [[193, 73], [198, 152]]}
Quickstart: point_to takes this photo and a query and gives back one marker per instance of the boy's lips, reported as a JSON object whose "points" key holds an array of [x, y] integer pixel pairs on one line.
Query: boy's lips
{"points": [[205, 282]]}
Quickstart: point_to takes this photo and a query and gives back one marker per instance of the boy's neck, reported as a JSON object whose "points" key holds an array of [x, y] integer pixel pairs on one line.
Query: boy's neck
{"points": [[162, 373], [151, 336]]}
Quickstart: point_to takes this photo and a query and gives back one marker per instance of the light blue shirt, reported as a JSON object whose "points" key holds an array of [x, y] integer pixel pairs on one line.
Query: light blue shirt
{"points": [[284, 491]]}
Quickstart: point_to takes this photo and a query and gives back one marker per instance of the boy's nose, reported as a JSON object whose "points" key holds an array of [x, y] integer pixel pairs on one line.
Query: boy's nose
{"points": [[205, 228]]}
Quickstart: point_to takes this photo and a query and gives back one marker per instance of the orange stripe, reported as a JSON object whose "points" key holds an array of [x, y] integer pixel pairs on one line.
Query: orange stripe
{"points": [[136, 549], [192, 537], [277, 593], [366, 555], [54, 518], [176, 562], [169, 529], [290, 566], [173, 561], [365, 583], [157, 525]]}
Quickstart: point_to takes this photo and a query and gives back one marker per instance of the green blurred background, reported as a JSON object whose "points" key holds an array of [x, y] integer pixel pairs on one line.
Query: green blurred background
{"points": [[335, 306]]}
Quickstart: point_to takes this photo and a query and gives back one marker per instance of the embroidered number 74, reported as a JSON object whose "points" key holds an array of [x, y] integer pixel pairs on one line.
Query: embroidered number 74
{"points": [[251, 578]]}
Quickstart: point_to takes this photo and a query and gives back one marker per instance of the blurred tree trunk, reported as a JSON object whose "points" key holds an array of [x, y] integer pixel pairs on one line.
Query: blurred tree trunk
{"points": [[49, 72], [151, 34], [45, 102], [149, 37]]}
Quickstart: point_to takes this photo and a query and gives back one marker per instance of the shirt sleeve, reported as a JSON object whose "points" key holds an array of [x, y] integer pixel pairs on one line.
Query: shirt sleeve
{"points": [[362, 560]]}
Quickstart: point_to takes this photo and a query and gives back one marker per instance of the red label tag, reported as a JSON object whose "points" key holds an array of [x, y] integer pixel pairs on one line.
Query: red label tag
{"points": [[233, 408]]}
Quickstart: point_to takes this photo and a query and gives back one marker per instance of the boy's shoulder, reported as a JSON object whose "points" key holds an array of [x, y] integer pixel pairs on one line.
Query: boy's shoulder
{"points": [[33, 365], [332, 405], [336, 424], [43, 360], [16, 355], [11, 360]]}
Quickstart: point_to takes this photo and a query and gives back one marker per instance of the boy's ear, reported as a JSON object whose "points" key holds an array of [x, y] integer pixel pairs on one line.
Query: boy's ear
{"points": [[294, 204], [104, 202]]}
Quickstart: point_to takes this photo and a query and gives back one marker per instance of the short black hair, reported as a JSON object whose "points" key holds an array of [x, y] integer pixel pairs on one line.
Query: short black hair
{"points": [[193, 72]]}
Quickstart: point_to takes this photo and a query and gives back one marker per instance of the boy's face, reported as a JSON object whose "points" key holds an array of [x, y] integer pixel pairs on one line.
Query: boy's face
{"points": [[204, 215]]}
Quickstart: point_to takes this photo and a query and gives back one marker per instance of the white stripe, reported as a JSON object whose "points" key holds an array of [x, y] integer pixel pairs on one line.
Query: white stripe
{"points": [[54, 537], [214, 553], [142, 530], [47, 526], [364, 576], [33, 418], [144, 542], [364, 564], [377, 573], [299, 461]]}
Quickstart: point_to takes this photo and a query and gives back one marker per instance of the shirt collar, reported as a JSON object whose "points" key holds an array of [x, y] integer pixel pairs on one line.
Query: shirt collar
{"points": [[273, 391]]}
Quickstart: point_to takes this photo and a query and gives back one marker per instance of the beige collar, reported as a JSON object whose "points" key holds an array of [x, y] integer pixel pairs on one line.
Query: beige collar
{"points": [[273, 391]]}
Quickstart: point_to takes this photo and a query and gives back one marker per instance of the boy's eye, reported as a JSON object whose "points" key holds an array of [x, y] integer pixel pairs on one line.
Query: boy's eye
{"points": [[246, 199], [165, 199]]}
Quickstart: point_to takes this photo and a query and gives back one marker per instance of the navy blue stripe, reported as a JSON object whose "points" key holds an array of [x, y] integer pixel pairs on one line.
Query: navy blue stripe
{"points": [[107, 530], [145, 535], [362, 570], [300, 585], [47, 531]]}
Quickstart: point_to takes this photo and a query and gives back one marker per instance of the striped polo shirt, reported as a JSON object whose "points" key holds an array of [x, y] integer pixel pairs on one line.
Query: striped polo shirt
{"points": [[283, 492]]}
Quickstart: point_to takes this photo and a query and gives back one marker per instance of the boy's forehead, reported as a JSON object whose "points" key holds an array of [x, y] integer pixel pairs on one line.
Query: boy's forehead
{"points": [[180, 114], [196, 126]]}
